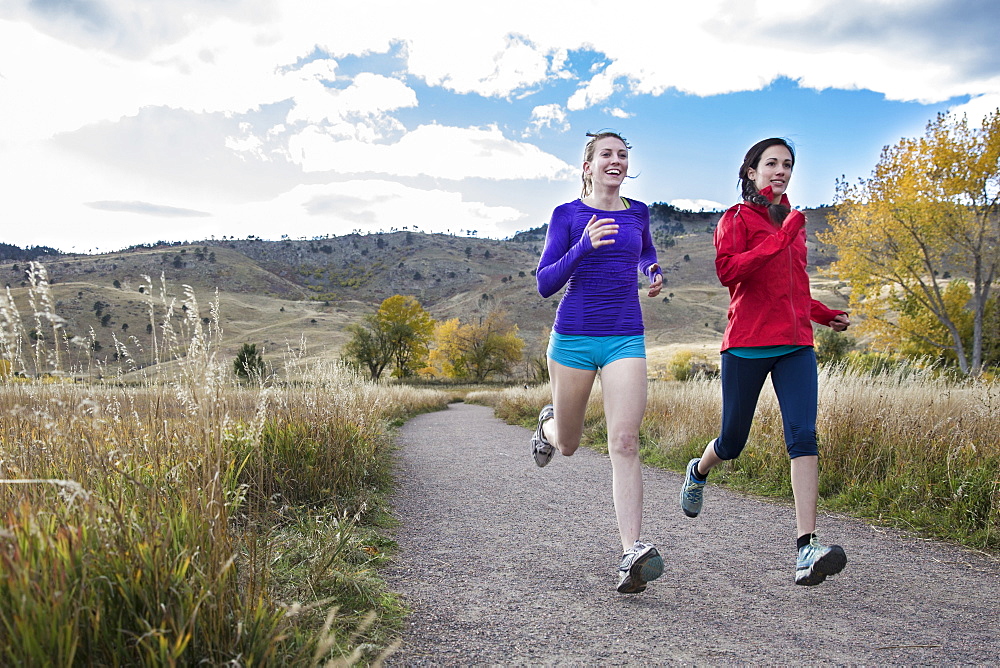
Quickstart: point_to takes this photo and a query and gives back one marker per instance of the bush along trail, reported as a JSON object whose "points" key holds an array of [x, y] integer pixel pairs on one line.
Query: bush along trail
{"points": [[502, 562]]}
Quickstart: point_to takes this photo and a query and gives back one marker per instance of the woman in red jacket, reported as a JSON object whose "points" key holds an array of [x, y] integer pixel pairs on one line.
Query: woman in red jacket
{"points": [[761, 257]]}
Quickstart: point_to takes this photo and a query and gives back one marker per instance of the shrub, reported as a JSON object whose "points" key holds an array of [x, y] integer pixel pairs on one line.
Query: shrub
{"points": [[249, 363], [686, 364]]}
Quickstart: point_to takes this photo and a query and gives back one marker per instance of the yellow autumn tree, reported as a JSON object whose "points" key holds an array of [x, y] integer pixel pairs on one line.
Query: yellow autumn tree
{"points": [[446, 355], [928, 215], [477, 351], [409, 330], [396, 335]]}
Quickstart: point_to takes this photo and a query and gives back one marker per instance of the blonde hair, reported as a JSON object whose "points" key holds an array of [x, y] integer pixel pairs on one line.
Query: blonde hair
{"points": [[588, 156]]}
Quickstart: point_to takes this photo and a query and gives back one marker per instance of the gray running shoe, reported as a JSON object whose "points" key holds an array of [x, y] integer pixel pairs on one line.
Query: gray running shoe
{"points": [[816, 561], [541, 449], [692, 491], [640, 564]]}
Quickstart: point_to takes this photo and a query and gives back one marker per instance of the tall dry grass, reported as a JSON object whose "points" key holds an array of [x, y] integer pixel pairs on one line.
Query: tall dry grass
{"points": [[908, 447], [167, 514]]}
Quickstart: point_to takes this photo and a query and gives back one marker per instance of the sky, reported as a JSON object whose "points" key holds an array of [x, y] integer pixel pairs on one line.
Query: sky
{"points": [[128, 122]]}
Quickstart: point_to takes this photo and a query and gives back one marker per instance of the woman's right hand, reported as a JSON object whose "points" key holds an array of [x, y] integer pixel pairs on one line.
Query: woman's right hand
{"points": [[597, 230], [795, 220]]}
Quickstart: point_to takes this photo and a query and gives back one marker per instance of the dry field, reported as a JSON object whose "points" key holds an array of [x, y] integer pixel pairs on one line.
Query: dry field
{"points": [[170, 514]]}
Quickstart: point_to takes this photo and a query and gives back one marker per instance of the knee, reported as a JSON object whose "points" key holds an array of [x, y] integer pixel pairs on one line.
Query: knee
{"points": [[805, 448], [727, 450], [565, 443], [567, 449], [623, 444]]}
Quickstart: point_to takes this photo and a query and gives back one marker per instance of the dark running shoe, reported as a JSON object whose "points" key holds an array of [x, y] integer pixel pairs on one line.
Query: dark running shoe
{"points": [[817, 561], [692, 491]]}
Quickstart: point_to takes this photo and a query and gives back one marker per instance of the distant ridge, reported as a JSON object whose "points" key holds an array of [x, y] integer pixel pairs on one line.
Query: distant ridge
{"points": [[276, 293]]}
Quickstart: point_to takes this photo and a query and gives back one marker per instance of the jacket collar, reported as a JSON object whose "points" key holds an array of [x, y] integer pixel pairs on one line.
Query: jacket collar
{"points": [[763, 209]]}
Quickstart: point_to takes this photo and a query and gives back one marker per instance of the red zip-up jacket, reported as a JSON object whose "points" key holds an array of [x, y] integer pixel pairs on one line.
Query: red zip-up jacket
{"points": [[764, 267]]}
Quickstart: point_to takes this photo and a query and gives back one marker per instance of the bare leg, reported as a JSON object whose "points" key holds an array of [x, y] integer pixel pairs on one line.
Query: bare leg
{"points": [[805, 489], [709, 460], [623, 383], [570, 392]]}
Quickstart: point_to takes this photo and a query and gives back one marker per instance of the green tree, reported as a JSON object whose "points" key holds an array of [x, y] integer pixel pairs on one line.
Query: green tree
{"points": [[367, 349], [398, 334], [249, 363], [931, 209]]}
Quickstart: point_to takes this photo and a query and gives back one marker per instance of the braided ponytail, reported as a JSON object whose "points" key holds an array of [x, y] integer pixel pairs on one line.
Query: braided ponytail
{"points": [[776, 212]]}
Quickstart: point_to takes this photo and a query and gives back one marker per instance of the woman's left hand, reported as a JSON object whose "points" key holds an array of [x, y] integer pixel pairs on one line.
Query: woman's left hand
{"points": [[840, 323], [657, 284]]}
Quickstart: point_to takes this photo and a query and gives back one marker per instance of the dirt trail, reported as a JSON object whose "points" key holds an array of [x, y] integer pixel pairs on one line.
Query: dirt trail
{"points": [[505, 563]]}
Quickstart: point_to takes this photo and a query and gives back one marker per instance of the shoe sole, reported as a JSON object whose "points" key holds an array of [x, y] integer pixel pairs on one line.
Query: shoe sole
{"points": [[649, 567], [541, 459], [829, 564], [536, 439], [628, 586], [645, 569]]}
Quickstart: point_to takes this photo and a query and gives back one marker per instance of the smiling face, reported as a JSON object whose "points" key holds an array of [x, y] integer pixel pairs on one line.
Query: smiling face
{"points": [[609, 165], [774, 169]]}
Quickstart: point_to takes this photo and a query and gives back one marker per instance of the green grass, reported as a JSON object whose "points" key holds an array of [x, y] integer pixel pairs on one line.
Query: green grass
{"points": [[907, 448]]}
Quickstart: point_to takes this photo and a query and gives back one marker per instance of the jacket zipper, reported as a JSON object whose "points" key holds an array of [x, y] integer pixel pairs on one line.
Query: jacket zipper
{"points": [[793, 322]]}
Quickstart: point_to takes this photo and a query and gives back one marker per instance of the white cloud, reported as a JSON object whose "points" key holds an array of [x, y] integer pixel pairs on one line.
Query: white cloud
{"points": [[698, 205], [129, 29], [372, 205], [209, 106], [551, 116], [597, 90], [146, 209], [83, 67], [430, 150], [978, 108], [369, 95]]}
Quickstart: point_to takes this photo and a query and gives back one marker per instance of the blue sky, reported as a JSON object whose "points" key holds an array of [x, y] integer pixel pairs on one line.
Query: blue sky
{"points": [[125, 123]]}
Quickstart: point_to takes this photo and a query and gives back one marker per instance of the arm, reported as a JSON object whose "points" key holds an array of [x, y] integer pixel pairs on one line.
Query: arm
{"points": [[648, 264], [734, 262], [820, 314], [559, 258]]}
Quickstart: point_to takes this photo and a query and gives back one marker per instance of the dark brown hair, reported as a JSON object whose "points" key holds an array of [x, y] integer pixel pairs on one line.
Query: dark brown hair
{"points": [[776, 212]]}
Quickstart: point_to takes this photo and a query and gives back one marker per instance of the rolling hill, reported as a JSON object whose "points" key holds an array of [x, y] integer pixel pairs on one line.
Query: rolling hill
{"points": [[297, 296]]}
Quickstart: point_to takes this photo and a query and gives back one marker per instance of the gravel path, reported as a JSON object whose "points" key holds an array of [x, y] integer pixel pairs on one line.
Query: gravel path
{"points": [[504, 563]]}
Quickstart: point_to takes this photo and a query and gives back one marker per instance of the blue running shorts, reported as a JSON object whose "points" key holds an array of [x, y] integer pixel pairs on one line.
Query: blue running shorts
{"points": [[593, 352]]}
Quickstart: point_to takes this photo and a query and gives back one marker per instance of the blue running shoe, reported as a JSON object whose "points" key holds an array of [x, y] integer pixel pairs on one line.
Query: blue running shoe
{"points": [[641, 563], [692, 491], [817, 561], [541, 449]]}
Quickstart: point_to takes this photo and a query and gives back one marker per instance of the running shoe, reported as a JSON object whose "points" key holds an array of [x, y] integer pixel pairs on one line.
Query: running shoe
{"points": [[692, 491], [640, 564], [541, 449], [816, 561]]}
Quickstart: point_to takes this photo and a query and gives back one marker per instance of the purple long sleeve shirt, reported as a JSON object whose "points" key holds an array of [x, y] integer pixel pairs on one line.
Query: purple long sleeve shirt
{"points": [[602, 297]]}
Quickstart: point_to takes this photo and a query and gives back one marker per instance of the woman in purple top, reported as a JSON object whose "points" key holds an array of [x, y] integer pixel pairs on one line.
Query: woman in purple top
{"points": [[593, 247]]}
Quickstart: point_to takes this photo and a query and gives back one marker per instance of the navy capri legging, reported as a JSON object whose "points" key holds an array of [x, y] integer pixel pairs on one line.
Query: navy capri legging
{"points": [[795, 383]]}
